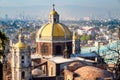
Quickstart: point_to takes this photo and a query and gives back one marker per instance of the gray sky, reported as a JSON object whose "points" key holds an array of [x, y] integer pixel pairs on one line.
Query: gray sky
{"points": [[66, 8]]}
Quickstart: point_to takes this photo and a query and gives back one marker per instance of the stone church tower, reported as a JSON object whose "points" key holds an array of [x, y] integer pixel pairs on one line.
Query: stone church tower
{"points": [[53, 38], [21, 60]]}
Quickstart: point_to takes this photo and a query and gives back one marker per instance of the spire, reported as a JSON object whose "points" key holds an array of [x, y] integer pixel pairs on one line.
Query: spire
{"points": [[20, 44], [54, 16], [20, 30], [21, 37], [53, 12], [53, 7]]}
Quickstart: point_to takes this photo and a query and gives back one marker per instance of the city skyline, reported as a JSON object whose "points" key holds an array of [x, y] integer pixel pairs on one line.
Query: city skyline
{"points": [[68, 9]]}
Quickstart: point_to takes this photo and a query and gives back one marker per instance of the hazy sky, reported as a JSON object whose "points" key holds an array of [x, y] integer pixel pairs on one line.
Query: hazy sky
{"points": [[66, 8]]}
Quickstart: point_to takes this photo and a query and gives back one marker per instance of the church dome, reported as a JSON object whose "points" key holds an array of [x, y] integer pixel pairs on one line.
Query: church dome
{"points": [[21, 45], [54, 30], [53, 12], [92, 73]]}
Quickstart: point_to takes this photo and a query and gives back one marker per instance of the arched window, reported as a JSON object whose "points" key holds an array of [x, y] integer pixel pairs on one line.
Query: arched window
{"points": [[22, 57], [44, 49], [54, 19], [44, 69], [58, 50], [51, 70], [23, 75]]}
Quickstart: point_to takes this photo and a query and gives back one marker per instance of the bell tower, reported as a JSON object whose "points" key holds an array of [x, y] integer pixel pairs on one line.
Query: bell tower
{"points": [[21, 60], [75, 43]]}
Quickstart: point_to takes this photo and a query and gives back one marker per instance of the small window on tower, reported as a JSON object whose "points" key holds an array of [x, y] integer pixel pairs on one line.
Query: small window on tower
{"points": [[54, 19], [23, 75], [22, 61], [44, 49], [51, 70], [22, 57]]}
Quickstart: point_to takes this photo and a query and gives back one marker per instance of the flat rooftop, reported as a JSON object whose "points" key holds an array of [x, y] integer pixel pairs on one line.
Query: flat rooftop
{"points": [[61, 59]]}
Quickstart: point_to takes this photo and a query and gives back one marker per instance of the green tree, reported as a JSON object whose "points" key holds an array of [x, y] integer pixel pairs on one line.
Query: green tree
{"points": [[3, 41], [85, 38]]}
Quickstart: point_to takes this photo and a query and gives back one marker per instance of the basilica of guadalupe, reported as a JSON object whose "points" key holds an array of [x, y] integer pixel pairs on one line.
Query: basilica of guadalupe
{"points": [[57, 56]]}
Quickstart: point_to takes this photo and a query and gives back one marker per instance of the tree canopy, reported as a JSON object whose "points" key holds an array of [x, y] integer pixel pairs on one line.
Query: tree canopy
{"points": [[85, 37], [3, 41]]}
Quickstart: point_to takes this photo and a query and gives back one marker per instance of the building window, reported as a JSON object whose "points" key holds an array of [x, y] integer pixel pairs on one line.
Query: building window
{"points": [[54, 19], [69, 48], [51, 70], [23, 62], [22, 57], [58, 50], [37, 47], [44, 49], [44, 69], [23, 75]]}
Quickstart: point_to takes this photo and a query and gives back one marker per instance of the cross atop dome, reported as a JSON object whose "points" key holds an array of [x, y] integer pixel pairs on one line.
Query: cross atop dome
{"points": [[53, 7], [54, 16]]}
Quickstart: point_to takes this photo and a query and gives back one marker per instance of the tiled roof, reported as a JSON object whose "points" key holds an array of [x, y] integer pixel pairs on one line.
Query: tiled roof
{"points": [[92, 73]]}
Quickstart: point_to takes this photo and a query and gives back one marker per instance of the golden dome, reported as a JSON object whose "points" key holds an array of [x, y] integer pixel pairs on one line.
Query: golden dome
{"points": [[53, 12], [54, 30], [21, 45]]}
